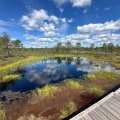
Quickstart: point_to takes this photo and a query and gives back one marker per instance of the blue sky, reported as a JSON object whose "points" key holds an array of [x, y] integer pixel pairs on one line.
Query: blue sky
{"points": [[43, 23]]}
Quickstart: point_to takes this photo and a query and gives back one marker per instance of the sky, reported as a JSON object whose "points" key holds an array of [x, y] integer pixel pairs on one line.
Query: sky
{"points": [[44, 23]]}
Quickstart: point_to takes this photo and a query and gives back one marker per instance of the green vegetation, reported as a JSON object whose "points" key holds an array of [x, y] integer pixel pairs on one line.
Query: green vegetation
{"points": [[2, 113], [91, 76], [8, 68], [73, 84], [47, 90], [8, 78], [102, 75], [95, 90], [68, 109], [116, 65], [13, 54]]}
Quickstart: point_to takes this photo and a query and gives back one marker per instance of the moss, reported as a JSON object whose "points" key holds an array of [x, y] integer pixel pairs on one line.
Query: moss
{"points": [[47, 90], [68, 109], [8, 78], [73, 83], [95, 90]]}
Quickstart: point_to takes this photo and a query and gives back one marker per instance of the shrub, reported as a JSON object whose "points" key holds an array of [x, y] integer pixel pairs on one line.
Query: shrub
{"points": [[10, 77], [95, 90], [68, 109], [73, 84], [47, 90]]}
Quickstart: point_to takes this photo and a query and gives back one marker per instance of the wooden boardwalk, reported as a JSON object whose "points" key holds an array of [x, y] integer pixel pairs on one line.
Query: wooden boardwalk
{"points": [[106, 109]]}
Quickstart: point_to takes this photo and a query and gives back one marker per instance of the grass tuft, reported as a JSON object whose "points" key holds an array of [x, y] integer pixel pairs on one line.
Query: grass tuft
{"points": [[47, 90], [91, 77], [96, 90], [68, 109], [103, 75], [73, 84]]}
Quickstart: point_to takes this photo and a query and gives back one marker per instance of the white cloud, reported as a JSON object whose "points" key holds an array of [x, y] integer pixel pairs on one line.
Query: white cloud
{"points": [[39, 20], [75, 3], [37, 38], [54, 19], [98, 33], [70, 20], [81, 3], [110, 26], [47, 27], [50, 34]]}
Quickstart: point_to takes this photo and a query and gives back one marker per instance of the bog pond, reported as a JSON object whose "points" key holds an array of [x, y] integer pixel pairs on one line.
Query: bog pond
{"points": [[53, 71]]}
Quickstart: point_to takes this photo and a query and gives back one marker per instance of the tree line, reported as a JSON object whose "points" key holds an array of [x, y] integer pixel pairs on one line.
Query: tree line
{"points": [[7, 45], [9, 48]]}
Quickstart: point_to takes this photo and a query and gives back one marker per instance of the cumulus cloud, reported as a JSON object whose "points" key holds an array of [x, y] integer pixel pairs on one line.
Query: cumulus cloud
{"points": [[110, 26], [51, 34], [92, 33], [49, 25]]}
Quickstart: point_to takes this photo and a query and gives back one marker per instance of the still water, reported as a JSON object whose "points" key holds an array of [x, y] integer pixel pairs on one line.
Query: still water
{"points": [[54, 71]]}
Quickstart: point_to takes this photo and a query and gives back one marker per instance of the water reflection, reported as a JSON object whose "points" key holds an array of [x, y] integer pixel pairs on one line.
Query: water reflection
{"points": [[54, 71]]}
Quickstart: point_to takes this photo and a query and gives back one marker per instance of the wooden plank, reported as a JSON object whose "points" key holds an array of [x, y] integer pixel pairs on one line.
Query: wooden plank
{"points": [[116, 104], [106, 109], [107, 113], [117, 97], [93, 115], [111, 110], [114, 100], [100, 114], [115, 108], [87, 117], [82, 118]]}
